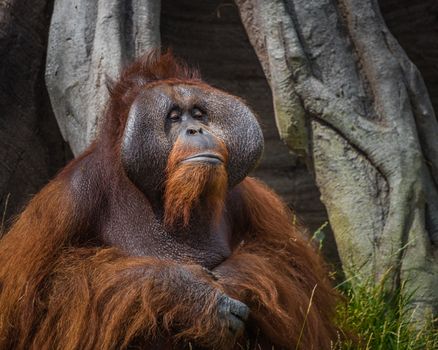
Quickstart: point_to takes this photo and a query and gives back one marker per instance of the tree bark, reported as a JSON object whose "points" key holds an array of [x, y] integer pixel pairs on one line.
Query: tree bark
{"points": [[31, 146], [341, 81], [90, 41]]}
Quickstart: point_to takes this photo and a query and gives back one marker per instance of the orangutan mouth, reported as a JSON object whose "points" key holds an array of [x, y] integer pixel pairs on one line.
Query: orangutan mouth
{"points": [[212, 158]]}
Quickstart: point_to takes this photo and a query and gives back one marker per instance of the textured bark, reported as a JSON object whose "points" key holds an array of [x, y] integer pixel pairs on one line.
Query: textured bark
{"points": [[90, 41], [31, 146], [370, 126]]}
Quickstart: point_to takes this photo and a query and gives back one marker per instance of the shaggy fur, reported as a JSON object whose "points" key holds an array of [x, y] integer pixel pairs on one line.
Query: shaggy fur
{"points": [[192, 185], [60, 288], [277, 273]]}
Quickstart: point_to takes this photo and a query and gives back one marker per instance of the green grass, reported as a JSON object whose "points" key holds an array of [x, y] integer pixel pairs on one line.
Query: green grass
{"points": [[381, 321], [378, 320]]}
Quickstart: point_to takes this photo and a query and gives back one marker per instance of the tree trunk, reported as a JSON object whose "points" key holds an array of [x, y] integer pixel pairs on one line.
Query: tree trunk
{"points": [[31, 146], [90, 41], [346, 95]]}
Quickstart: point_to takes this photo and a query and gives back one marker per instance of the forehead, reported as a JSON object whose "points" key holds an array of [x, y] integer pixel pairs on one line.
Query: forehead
{"points": [[184, 94]]}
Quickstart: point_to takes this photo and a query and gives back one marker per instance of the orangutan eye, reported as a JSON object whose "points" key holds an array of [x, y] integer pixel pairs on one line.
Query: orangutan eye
{"points": [[198, 113], [174, 115]]}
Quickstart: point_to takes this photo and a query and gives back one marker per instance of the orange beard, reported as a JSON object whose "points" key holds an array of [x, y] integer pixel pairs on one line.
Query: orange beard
{"points": [[193, 184]]}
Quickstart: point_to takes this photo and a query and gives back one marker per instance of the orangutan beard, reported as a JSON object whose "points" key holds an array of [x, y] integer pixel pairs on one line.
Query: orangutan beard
{"points": [[191, 185]]}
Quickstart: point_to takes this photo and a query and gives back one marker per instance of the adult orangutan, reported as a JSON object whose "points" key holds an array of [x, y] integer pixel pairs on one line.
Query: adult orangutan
{"points": [[156, 238]]}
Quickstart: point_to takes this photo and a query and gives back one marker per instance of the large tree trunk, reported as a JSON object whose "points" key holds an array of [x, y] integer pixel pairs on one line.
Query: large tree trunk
{"points": [[31, 146], [90, 41], [346, 95]]}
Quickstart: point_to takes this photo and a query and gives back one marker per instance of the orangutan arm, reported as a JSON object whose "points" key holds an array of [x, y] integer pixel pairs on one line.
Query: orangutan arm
{"points": [[55, 293], [100, 299], [277, 273]]}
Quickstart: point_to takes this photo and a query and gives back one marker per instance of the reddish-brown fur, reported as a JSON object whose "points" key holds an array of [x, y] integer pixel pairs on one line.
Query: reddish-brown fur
{"points": [[278, 274], [189, 185], [61, 291]]}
